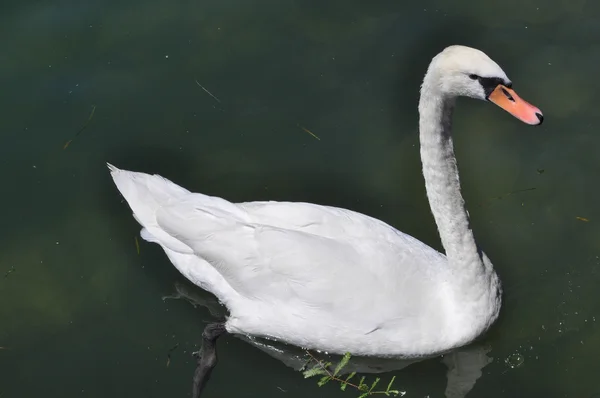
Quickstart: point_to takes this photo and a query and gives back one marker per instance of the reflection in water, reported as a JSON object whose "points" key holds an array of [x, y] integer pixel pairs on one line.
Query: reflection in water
{"points": [[464, 365]]}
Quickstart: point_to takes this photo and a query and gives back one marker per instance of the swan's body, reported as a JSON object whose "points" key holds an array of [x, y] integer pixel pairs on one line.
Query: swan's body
{"points": [[332, 279]]}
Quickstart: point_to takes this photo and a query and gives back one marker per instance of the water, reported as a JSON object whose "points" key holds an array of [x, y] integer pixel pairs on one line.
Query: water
{"points": [[82, 312]]}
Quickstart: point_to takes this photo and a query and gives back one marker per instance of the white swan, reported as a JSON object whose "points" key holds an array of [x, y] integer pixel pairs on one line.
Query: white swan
{"points": [[332, 279]]}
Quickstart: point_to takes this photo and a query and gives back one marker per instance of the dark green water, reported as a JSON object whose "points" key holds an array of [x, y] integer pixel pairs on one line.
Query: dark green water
{"points": [[81, 312]]}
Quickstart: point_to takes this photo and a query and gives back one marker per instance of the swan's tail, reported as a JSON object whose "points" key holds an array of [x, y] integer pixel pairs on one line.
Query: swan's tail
{"points": [[145, 193]]}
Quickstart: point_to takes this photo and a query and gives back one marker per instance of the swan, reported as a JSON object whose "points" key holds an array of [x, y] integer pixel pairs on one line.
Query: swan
{"points": [[335, 280]]}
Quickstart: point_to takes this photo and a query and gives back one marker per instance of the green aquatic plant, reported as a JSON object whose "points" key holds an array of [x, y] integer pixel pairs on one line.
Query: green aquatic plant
{"points": [[320, 368]]}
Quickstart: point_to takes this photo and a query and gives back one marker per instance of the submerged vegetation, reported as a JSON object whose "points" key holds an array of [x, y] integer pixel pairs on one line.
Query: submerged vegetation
{"points": [[320, 368]]}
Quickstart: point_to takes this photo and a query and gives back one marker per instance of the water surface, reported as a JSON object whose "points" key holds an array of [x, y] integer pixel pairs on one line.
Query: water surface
{"points": [[82, 312]]}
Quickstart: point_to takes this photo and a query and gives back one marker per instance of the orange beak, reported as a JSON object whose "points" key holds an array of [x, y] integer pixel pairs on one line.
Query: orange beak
{"points": [[508, 100]]}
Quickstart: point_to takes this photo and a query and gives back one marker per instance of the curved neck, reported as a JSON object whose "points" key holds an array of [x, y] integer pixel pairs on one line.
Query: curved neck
{"points": [[442, 182]]}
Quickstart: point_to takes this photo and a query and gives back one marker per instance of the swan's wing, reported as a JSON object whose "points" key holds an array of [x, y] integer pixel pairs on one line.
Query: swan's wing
{"points": [[265, 262], [327, 221]]}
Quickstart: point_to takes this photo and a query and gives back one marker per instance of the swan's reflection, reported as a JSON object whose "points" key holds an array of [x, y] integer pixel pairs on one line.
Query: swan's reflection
{"points": [[465, 365]]}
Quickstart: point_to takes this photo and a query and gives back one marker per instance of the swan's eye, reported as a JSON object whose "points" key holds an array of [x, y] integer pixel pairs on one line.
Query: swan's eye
{"points": [[474, 77], [510, 97]]}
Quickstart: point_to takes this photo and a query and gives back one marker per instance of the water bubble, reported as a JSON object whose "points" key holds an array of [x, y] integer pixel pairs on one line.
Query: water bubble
{"points": [[515, 360]]}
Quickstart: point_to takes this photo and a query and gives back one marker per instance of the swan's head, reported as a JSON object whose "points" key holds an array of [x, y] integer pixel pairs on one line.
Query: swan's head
{"points": [[468, 72]]}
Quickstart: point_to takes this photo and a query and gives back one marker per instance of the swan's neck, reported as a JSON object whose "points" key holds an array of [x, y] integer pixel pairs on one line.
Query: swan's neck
{"points": [[443, 185]]}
